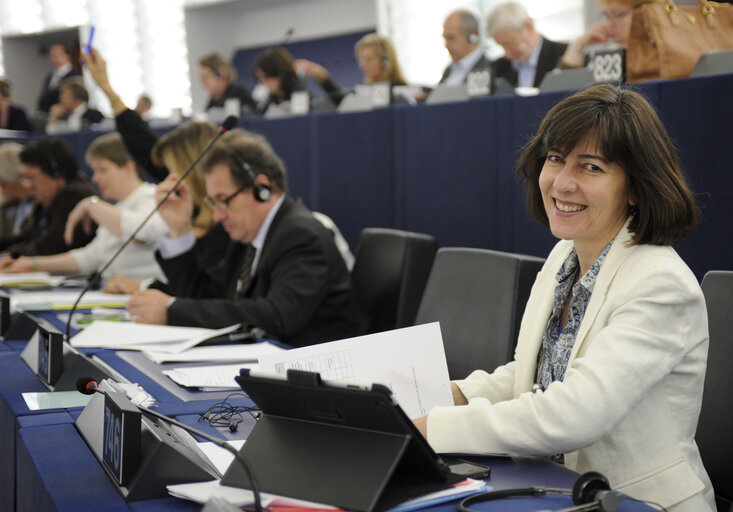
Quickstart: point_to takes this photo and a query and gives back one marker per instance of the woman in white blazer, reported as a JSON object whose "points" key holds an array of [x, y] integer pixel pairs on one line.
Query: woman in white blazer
{"points": [[610, 362]]}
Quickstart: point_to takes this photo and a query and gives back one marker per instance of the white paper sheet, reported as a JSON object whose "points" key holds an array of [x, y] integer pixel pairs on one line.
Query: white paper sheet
{"points": [[49, 300], [13, 280], [410, 361], [132, 336], [208, 377], [249, 352]]}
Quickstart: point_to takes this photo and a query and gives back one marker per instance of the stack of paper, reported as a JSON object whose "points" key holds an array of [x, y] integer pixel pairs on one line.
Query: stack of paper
{"points": [[64, 299], [132, 336]]}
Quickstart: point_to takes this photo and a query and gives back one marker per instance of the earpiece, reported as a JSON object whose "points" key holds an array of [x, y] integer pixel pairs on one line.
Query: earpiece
{"points": [[591, 491], [53, 166], [262, 193], [385, 62], [233, 426], [473, 38]]}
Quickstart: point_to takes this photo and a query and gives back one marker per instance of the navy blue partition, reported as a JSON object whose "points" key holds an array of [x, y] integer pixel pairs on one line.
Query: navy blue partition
{"points": [[448, 169], [354, 170]]}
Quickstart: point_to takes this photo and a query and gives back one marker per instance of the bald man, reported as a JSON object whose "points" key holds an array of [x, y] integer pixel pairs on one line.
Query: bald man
{"points": [[461, 35]]}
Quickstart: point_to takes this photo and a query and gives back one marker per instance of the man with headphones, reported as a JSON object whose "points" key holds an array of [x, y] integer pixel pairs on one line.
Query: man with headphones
{"points": [[282, 272], [50, 171], [461, 35], [219, 79], [528, 56]]}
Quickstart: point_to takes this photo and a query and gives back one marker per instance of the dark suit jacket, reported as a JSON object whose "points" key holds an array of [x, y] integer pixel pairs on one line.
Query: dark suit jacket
{"points": [[547, 60], [46, 233], [239, 91], [139, 140], [50, 95], [300, 294], [91, 116], [481, 64], [17, 119]]}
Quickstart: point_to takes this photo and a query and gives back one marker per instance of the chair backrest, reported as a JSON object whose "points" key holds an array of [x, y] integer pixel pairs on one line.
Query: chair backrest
{"points": [[478, 296], [715, 428], [389, 276]]}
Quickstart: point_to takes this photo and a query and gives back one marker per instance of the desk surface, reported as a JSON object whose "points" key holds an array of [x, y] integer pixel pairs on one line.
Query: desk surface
{"points": [[55, 470]]}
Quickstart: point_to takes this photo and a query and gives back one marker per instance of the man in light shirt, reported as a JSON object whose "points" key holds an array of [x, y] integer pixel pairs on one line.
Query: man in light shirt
{"points": [[461, 35], [72, 112], [528, 56]]}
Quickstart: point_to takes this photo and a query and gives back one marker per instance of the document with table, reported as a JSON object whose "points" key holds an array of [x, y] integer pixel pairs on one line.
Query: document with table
{"points": [[410, 362]]}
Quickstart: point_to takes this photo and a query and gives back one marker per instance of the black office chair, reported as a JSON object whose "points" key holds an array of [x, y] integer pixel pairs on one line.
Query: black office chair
{"points": [[389, 276], [478, 296], [715, 428]]}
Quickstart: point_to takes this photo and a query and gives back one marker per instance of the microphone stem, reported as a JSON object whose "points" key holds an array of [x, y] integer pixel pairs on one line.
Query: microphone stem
{"points": [[218, 442], [97, 276]]}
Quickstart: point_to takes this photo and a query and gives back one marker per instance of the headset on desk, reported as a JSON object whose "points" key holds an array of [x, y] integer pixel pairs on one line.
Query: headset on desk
{"points": [[591, 492]]}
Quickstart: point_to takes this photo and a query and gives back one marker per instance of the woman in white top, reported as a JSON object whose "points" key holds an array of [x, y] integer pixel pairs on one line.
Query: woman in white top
{"points": [[119, 180], [610, 362]]}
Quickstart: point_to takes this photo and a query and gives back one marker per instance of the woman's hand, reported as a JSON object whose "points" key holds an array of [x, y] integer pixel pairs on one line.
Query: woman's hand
{"points": [[14, 266], [177, 210], [77, 215]]}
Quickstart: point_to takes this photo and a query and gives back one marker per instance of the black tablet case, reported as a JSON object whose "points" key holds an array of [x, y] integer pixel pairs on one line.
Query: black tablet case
{"points": [[348, 447]]}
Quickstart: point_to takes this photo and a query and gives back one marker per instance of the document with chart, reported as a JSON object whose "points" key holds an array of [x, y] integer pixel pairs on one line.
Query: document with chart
{"points": [[410, 361]]}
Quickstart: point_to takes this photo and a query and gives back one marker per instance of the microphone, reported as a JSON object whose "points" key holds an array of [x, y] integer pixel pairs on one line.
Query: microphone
{"points": [[89, 386], [95, 278], [286, 37]]}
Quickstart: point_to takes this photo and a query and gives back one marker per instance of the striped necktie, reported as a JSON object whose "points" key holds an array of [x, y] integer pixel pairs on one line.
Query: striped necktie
{"points": [[245, 277]]}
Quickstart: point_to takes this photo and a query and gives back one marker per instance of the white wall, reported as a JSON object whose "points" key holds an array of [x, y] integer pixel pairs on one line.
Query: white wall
{"points": [[231, 25]]}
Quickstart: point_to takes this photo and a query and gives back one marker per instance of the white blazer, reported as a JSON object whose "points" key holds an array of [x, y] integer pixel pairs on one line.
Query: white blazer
{"points": [[629, 404]]}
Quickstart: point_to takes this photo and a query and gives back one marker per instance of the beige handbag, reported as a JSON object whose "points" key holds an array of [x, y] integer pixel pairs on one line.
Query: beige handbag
{"points": [[666, 41]]}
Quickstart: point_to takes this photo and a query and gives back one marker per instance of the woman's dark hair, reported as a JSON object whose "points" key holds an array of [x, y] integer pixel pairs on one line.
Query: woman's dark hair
{"points": [[53, 156], [278, 63], [627, 131]]}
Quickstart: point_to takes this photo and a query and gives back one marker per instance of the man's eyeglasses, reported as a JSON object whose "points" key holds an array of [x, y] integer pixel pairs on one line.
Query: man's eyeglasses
{"points": [[223, 204]]}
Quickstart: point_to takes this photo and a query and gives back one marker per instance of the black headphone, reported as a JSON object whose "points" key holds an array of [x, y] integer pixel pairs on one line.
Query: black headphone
{"points": [[591, 491], [53, 166], [261, 192]]}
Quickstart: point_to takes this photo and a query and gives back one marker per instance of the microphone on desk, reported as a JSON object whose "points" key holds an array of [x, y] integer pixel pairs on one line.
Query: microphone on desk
{"points": [[88, 386], [95, 278]]}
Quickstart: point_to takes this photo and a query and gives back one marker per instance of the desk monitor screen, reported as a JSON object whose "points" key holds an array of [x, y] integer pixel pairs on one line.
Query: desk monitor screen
{"points": [[50, 353], [4, 313]]}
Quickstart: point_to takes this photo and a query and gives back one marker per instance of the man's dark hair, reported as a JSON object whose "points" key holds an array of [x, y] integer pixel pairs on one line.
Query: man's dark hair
{"points": [[54, 157]]}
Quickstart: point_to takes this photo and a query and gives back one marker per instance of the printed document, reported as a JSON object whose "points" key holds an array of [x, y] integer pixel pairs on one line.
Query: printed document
{"points": [[410, 361]]}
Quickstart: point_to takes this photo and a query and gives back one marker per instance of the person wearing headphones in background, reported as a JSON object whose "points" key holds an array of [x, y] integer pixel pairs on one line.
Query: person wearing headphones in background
{"points": [[49, 170], [219, 79], [377, 60], [274, 68], [282, 272], [461, 35], [528, 56], [72, 112], [119, 180], [17, 204], [12, 116]]}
